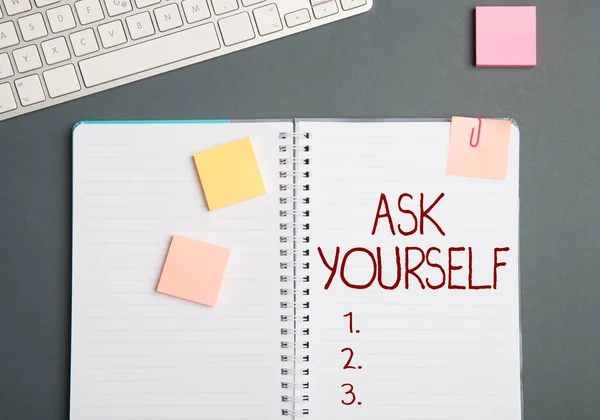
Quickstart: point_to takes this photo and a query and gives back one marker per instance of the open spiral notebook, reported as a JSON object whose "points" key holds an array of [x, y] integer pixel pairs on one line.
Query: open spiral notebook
{"points": [[366, 284]]}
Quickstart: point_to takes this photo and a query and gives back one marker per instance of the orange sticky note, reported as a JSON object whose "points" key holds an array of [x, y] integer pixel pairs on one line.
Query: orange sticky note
{"points": [[478, 148], [229, 173], [193, 270]]}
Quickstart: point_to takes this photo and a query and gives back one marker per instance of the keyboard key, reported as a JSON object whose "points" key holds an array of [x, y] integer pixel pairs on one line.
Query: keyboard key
{"points": [[224, 6], [299, 17], [267, 19], [168, 17], [6, 69], [84, 42], [149, 55], [195, 10], [33, 27], [140, 25], [61, 18], [14, 7], [61, 81], [112, 34], [118, 7], [145, 3], [1, 15], [325, 9], [7, 99], [8, 35], [42, 3], [236, 29], [27, 58], [56, 50], [352, 4], [251, 2], [89, 11], [30, 90]]}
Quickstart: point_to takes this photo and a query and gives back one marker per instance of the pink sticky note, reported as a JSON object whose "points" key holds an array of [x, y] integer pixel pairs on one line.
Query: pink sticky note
{"points": [[478, 150], [506, 36], [193, 270]]}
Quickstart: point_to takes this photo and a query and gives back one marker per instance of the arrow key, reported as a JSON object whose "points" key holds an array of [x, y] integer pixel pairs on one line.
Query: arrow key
{"points": [[30, 90], [299, 17]]}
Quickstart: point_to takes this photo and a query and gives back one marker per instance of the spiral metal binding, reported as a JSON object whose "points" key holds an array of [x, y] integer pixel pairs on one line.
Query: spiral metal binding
{"points": [[294, 184]]}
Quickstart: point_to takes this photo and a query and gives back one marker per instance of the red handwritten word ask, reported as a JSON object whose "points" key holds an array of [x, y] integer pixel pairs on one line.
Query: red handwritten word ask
{"points": [[412, 258]]}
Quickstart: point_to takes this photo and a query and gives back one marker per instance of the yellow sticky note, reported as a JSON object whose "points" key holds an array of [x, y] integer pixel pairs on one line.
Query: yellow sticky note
{"points": [[229, 173], [478, 148], [193, 270]]}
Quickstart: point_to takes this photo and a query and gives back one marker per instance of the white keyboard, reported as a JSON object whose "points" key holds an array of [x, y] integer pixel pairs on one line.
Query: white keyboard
{"points": [[53, 51]]}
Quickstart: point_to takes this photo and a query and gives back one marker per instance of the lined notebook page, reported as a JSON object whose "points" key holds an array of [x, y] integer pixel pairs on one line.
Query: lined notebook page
{"points": [[141, 355], [421, 354]]}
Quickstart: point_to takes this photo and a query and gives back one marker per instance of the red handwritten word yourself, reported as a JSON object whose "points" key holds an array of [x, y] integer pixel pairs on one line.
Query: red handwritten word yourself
{"points": [[409, 260]]}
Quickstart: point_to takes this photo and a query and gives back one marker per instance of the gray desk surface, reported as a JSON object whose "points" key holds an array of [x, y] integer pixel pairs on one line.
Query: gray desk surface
{"points": [[406, 58]]}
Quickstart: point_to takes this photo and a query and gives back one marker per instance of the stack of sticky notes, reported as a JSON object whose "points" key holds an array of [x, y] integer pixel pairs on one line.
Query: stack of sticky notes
{"points": [[194, 270], [506, 36]]}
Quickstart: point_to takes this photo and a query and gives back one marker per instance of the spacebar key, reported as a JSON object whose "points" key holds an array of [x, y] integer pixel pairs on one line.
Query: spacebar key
{"points": [[149, 55]]}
